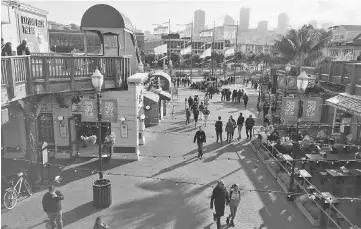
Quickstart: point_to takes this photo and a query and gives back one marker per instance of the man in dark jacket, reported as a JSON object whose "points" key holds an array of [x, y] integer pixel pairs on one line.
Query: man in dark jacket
{"points": [[23, 49], [249, 126], [190, 101], [245, 100], [219, 199], [52, 207], [200, 137], [195, 115], [240, 122], [219, 129]]}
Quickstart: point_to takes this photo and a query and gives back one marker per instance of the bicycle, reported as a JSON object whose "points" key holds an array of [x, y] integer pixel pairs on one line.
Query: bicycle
{"points": [[13, 193]]}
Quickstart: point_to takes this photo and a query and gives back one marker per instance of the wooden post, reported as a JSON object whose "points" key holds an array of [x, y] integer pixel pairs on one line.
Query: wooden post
{"points": [[11, 78], [29, 76], [115, 70], [46, 74], [85, 44], [72, 73]]}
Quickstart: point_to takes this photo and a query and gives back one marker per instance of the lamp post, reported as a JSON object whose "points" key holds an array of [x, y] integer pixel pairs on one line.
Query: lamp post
{"points": [[302, 83], [97, 81]]}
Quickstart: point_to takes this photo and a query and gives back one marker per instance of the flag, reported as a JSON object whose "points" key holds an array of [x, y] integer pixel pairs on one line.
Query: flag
{"points": [[206, 33], [161, 30], [186, 50], [206, 53], [229, 52], [160, 49]]}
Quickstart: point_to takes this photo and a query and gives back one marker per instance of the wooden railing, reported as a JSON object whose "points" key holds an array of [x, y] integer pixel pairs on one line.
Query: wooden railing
{"points": [[339, 72], [44, 69]]}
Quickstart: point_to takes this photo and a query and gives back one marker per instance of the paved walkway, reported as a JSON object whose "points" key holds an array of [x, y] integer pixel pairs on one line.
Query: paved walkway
{"points": [[140, 203]]}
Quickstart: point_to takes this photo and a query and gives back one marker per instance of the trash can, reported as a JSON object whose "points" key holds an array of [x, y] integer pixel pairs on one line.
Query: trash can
{"points": [[102, 193]]}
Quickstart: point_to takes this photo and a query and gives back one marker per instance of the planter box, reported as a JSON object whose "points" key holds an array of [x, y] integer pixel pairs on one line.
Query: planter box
{"points": [[313, 221], [271, 171], [283, 186]]}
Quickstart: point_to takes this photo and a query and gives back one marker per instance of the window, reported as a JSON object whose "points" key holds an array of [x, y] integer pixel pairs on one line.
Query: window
{"points": [[336, 121], [46, 128]]}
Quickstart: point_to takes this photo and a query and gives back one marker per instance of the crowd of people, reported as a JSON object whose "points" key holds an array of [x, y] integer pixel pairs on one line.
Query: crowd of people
{"points": [[7, 50]]}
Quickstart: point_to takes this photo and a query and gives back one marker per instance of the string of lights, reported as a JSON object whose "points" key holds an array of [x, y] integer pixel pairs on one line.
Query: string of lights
{"points": [[163, 179]]}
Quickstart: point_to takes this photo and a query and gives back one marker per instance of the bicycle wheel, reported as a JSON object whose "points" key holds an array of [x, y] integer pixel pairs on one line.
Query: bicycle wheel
{"points": [[28, 187], [10, 199]]}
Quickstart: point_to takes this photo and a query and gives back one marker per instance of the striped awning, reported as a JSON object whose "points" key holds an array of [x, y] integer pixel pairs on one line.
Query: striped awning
{"points": [[345, 102], [163, 95]]}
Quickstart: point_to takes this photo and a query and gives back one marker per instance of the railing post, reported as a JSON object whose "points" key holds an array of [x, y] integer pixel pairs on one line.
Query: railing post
{"points": [[29, 76], [72, 73], [330, 71], [46, 74], [115, 69], [11, 78], [342, 72]]}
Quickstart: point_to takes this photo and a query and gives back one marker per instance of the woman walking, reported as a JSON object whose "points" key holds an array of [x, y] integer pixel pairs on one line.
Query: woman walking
{"points": [[234, 200], [229, 130], [188, 116], [219, 199], [206, 112], [195, 115]]}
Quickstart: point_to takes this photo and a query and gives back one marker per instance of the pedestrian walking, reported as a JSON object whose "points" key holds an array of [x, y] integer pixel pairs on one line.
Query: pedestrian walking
{"points": [[239, 96], [229, 129], [234, 200], [240, 122], [190, 101], [52, 207], [195, 100], [223, 93], [249, 126], [206, 112], [201, 109], [23, 48], [234, 125], [245, 100], [259, 110], [188, 116], [200, 137], [195, 115], [219, 129], [206, 101], [219, 199], [234, 95], [100, 223]]}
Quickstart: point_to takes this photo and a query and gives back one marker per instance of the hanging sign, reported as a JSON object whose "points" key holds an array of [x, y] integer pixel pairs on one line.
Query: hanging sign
{"points": [[290, 109], [89, 113], [311, 109], [281, 82], [4, 115], [291, 82], [109, 110]]}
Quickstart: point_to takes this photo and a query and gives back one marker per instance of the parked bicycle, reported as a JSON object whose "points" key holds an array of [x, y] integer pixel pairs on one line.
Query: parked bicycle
{"points": [[13, 193]]}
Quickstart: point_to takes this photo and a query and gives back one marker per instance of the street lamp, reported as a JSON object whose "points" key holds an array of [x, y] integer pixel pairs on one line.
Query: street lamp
{"points": [[97, 81], [302, 84]]}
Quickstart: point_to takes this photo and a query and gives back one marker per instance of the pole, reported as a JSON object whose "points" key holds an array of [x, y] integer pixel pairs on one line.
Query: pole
{"points": [[212, 59], [191, 67], [100, 136], [235, 66], [169, 40]]}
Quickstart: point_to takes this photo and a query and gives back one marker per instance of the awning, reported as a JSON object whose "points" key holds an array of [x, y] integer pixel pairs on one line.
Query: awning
{"points": [[345, 102], [163, 95], [152, 96]]}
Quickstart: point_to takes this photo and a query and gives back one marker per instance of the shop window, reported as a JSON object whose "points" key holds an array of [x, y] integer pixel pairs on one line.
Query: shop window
{"points": [[46, 128]]}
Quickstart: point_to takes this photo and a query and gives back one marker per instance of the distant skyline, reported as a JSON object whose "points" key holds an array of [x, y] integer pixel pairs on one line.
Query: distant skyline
{"points": [[143, 14]]}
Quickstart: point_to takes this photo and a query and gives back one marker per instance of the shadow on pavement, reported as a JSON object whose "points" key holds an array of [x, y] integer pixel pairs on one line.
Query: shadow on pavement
{"points": [[176, 166], [79, 213], [206, 148]]}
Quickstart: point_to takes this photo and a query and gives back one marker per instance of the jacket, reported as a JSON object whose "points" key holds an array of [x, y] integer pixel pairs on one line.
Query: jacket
{"points": [[245, 98], [102, 226], [219, 199], [188, 113], [219, 126], [249, 122], [200, 136], [22, 48], [52, 203], [229, 127], [195, 112], [206, 112], [201, 107], [240, 120]]}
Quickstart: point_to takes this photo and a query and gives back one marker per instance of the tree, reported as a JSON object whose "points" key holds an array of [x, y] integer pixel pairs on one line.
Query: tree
{"points": [[175, 57], [196, 59], [302, 47]]}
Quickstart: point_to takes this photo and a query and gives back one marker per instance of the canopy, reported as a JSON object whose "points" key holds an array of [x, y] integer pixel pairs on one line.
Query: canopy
{"points": [[348, 103], [165, 78]]}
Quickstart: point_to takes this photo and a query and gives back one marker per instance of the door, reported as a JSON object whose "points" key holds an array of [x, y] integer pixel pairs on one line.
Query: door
{"points": [[73, 141]]}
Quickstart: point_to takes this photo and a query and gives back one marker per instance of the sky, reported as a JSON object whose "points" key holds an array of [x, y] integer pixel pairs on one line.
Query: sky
{"points": [[144, 14]]}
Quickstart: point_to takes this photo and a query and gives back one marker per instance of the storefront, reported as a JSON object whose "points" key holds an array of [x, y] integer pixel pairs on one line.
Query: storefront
{"points": [[346, 117], [24, 22]]}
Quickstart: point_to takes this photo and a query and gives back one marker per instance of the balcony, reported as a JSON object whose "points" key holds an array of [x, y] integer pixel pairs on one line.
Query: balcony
{"points": [[23, 76]]}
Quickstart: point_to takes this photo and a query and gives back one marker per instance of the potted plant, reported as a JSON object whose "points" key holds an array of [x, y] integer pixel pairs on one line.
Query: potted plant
{"points": [[109, 141], [309, 209], [90, 140]]}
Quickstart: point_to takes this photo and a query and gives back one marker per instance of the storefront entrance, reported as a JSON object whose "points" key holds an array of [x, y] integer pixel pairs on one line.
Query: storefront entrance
{"points": [[87, 129]]}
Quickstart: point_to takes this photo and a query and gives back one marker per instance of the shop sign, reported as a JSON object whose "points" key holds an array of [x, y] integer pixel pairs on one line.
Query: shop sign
{"points": [[109, 110], [290, 109], [4, 115], [312, 109], [291, 82], [89, 113]]}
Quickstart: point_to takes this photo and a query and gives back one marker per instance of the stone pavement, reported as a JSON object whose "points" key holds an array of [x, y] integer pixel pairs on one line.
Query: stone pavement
{"points": [[140, 203]]}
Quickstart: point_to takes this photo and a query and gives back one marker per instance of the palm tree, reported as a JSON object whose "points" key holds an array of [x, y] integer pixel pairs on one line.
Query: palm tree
{"points": [[302, 47]]}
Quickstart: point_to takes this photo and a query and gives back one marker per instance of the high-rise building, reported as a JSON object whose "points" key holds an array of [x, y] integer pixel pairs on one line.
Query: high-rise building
{"points": [[199, 21], [244, 17], [325, 26], [228, 20], [283, 21], [262, 26], [313, 23]]}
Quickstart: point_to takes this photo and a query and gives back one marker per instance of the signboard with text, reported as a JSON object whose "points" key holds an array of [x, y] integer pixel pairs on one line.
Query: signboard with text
{"points": [[281, 82], [290, 109], [312, 109], [109, 110], [89, 113]]}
